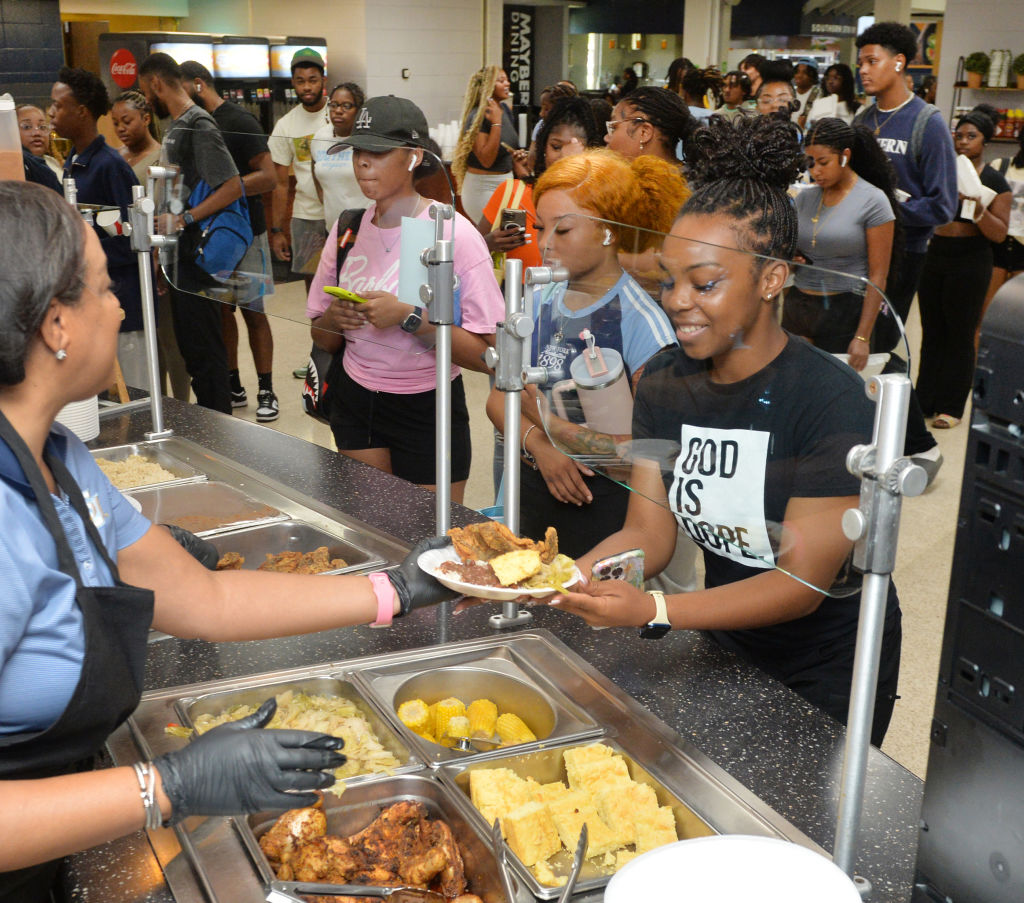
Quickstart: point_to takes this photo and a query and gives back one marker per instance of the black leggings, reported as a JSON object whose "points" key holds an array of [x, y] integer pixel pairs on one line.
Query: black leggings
{"points": [[951, 294]]}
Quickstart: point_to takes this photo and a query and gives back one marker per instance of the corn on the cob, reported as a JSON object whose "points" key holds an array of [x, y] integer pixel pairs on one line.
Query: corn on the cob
{"points": [[432, 716], [446, 710], [512, 729], [482, 716], [430, 738], [458, 726], [415, 715]]}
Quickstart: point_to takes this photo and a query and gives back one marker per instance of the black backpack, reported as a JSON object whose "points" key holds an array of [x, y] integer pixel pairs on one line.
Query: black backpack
{"points": [[323, 366]]}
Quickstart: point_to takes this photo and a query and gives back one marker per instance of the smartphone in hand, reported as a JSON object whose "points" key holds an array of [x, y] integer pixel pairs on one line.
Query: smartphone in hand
{"points": [[628, 566], [513, 219], [344, 294]]}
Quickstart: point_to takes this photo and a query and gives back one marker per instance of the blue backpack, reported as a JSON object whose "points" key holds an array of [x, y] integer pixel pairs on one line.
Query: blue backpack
{"points": [[223, 237]]}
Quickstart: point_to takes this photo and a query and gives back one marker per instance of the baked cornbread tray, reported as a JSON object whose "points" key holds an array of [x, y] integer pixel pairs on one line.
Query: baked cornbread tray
{"points": [[544, 797], [566, 703]]}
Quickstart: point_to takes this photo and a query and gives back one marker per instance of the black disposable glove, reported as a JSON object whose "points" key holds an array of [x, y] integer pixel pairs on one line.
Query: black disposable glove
{"points": [[202, 551], [415, 587], [237, 768]]}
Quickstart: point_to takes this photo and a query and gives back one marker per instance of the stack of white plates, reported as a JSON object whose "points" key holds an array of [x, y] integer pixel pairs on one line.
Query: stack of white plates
{"points": [[732, 868], [82, 418]]}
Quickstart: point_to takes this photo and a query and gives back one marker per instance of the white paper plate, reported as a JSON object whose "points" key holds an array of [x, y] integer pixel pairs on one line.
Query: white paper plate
{"points": [[134, 502], [432, 559], [732, 868]]}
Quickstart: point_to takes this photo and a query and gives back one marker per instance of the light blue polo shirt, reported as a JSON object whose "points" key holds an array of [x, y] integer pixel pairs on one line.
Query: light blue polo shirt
{"points": [[41, 633]]}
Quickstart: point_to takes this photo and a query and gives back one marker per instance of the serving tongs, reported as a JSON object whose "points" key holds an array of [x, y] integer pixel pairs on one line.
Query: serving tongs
{"points": [[469, 744], [501, 855], [288, 892]]}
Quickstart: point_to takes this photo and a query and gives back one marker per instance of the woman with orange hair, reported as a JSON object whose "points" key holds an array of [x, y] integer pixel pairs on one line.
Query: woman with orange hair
{"points": [[589, 207]]}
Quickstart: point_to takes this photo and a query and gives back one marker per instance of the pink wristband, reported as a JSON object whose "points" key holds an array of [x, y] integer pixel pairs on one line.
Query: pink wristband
{"points": [[385, 594]]}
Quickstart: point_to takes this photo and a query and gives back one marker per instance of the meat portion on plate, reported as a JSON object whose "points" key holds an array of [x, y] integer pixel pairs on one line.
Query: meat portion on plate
{"points": [[403, 846]]}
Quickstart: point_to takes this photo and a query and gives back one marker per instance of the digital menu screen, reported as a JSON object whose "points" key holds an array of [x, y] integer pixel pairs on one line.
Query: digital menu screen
{"points": [[241, 61], [180, 51], [281, 57]]}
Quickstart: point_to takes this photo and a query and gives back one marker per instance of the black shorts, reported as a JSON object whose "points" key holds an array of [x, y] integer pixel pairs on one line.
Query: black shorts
{"points": [[362, 418], [1009, 254], [828, 321]]}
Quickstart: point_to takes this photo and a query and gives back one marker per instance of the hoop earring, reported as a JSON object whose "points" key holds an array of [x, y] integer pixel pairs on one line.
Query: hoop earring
{"points": [[607, 237]]}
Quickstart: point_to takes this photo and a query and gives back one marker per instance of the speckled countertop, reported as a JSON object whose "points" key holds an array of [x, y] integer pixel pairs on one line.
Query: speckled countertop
{"points": [[785, 751]]}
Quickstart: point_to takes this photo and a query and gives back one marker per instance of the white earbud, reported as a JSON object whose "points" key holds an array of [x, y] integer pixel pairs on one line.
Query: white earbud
{"points": [[412, 163], [607, 237], [899, 66], [842, 161]]}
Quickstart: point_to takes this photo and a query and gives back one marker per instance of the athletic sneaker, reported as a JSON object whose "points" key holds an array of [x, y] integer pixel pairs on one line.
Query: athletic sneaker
{"points": [[267, 408], [300, 372], [238, 398]]}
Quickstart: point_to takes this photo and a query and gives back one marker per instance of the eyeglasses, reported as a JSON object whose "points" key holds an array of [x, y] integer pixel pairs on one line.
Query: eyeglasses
{"points": [[613, 124], [344, 105], [28, 127]]}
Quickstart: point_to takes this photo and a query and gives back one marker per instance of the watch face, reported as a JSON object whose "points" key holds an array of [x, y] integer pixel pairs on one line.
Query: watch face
{"points": [[412, 322], [654, 631]]}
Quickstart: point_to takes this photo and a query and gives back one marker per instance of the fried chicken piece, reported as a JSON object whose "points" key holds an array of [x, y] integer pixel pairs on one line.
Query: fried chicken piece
{"points": [[230, 561], [293, 829], [468, 545], [482, 542], [453, 875], [421, 869], [550, 550]]}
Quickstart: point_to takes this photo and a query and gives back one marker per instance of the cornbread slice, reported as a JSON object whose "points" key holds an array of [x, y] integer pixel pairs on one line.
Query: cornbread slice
{"points": [[621, 804], [497, 791], [579, 755], [655, 830], [515, 566], [597, 775], [570, 812], [544, 874], [622, 857], [531, 833], [546, 793]]}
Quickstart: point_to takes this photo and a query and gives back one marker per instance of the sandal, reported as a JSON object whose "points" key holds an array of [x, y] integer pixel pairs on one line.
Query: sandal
{"points": [[945, 422]]}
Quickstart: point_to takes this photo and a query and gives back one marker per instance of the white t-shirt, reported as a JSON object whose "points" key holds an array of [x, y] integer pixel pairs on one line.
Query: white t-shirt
{"points": [[335, 174], [290, 146], [830, 105]]}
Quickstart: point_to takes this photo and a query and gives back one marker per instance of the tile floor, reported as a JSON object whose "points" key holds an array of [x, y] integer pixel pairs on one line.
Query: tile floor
{"points": [[926, 541]]}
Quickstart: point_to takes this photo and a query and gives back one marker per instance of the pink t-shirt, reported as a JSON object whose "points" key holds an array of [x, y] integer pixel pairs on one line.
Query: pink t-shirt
{"points": [[390, 360]]}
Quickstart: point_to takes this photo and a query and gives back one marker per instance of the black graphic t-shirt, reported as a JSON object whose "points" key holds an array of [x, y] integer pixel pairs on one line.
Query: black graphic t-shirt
{"points": [[741, 451]]}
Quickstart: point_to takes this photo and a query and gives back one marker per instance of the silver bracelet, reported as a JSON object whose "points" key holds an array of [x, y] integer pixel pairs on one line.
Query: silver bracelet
{"points": [[530, 459], [145, 773]]}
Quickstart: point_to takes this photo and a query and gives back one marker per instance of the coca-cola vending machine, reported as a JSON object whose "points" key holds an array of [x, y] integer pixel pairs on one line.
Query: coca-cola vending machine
{"points": [[121, 54], [241, 67]]}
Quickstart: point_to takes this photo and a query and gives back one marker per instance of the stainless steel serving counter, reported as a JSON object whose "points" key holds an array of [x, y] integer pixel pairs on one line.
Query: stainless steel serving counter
{"points": [[782, 750]]}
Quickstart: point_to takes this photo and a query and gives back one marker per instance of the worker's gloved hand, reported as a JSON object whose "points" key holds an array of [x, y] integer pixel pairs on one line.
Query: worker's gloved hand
{"points": [[237, 768], [415, 587], [202, 551]]}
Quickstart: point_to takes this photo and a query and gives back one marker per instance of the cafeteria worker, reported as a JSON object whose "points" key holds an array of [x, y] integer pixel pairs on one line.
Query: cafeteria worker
{"points": [[85, 577]]}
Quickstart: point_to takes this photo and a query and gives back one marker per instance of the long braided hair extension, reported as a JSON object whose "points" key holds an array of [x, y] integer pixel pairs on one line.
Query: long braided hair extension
{"points": [[869, 161], [478, 92], [743, 170]]}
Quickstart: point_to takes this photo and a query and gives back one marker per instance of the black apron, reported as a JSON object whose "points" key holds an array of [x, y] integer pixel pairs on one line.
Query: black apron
{"points": [[116, 620]]}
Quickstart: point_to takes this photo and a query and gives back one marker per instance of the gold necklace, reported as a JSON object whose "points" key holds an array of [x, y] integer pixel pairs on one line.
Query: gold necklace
{"points": [[879, 125]]}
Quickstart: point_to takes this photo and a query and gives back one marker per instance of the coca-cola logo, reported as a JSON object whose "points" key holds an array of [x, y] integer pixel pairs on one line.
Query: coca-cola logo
{"points": [[123, 68]]}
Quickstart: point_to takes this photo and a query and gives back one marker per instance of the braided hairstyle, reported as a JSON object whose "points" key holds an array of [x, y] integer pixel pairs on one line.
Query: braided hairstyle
{"points": [[643, 193], [697, 83], [478, 92], [743, 170], [676, 70], [868, 161], [668, 114], [575, 112], [136, 100]]}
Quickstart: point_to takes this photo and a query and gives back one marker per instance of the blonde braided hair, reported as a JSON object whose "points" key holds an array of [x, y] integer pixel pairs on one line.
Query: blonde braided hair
{"points": [[478, 92]]}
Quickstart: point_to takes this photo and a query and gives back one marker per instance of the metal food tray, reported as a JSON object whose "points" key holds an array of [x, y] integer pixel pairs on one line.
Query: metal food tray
{"points": [[255, 543], [205, 861], [546, 766], [204, 508], [166, 453], [361, 805], [514, 683]]}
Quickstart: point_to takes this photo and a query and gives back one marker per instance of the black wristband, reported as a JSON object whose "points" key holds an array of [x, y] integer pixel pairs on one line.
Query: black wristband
{"points": [[275, 231]]}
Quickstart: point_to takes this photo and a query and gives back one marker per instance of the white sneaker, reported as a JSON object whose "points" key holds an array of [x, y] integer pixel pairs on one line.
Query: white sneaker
{"points": [[267, 407]]}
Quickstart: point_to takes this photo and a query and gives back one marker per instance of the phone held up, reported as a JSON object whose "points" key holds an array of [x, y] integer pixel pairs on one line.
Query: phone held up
{"points": [[627, 566], [513, 219]]}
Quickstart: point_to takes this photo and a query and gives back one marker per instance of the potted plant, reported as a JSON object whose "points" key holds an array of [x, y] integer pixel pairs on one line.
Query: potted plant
{"points": [[1018, 68], [976, 66]]}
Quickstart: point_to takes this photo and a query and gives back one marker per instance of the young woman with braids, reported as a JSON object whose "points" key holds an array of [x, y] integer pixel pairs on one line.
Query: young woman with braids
{"points": [[736, 93], [589, 206], [783, 415], [676, 72], [698, 84], [489, 146], [847, 224], [651, 121], [955, 280], [136, 126]]}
